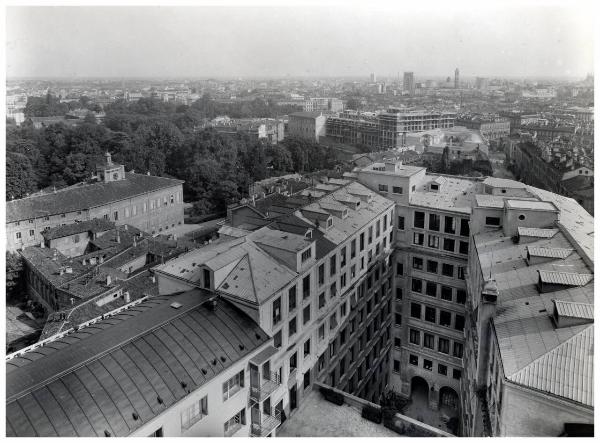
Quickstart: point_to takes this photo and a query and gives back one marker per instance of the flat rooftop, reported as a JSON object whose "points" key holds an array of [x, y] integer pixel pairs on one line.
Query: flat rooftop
{"points": [[318, 417]]}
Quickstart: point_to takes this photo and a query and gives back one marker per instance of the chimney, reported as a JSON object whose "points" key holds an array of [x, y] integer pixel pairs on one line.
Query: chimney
{"points": [[42, 245], [101, 259], [127, 297], [108, 280], [153, 279], [118, 236], [125, 227]]}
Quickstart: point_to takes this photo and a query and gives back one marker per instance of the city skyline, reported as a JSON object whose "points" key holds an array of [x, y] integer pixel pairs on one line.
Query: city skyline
{"points": [[142, 42]]}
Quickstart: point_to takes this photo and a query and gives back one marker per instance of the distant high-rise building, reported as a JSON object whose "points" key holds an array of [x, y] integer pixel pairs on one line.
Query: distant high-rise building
{"points": [[481, 83], [409, 83], [456, 78], [373, 77]]}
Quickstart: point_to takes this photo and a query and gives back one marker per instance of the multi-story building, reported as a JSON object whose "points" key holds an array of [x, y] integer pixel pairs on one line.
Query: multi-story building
{"points": [[189, 365], [491, 127], [313, 270], [314, 104], [461, 142], [454, 237], [308, 125], [408, 84], [354, 127], [456, 79], [151, 204]]}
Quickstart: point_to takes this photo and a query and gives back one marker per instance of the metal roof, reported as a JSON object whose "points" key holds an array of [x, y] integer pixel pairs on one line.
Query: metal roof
{"points": [[565, 278], [264, 355], [549, 252], [94, 380], [537, 232], [571, 309], [566, 371]]}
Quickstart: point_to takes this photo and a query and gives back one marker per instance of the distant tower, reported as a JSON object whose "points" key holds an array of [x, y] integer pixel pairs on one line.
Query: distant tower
{"points": [[373, 77], [409, 83], [456, 78]]}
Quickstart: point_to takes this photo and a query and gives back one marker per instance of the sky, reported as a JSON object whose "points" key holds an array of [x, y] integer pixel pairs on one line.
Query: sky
{"points": [[332, 40]]}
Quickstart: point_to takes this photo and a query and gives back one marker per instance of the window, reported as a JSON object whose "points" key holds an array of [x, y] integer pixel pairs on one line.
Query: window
{"points": [[398, 293], [377, 228], [459, 322], [444, 345], [492, 221], [306, 287], [206, 275], [76, 238], [431, 289], [458, 350], [194, 413], [370, 235], [306, 382], [401, 223], [447, 269], [292, 327], [417, 263], [445, 318], [449, 225], [456, 374], [353, 248], [463, 247], [362, 241], [417, 285], [461, 272], [292, 298], [461, 296], [428, 340], [333, 321], [332, 349], [415, 310], [429, 314], [434, 222], [418, 238], [321, 362], [116, 215], [396, 366], [432, 266], [342, 281], [419, 220], [413, 360], [397, 189], [293, 362], [397, 342], [333, 289], [158, 433], [322, 332], [464, 227], [307, 348], [332, 265], [277, 311], [427, 364], [382, 188], [321, 273], [446, 293], [321, 300], [277, 339], [343, 310], [31, 232], [399, 269], [233, 385], [415, 337], [398, 319], [18, 235], [442, 369], [306, 254], [433, 241], [232, 425], [352, 271], [449, 244], [306, 314]]}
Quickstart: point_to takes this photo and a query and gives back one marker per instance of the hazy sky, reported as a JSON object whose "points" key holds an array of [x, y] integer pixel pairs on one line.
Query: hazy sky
{"points": [[298, 41]]}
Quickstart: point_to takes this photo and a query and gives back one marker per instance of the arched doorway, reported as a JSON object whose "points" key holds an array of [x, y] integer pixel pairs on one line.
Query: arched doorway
{"points": [[419, 391], [448, 398]]}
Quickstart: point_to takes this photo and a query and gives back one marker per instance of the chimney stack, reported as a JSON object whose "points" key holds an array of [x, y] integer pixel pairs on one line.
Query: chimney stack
{"points": [[108, 280]]}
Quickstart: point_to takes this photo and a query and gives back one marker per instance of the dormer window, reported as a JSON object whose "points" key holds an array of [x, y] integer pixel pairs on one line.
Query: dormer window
{"points": [[435, 187], [307, 254], [329, 222], [308, 234]]}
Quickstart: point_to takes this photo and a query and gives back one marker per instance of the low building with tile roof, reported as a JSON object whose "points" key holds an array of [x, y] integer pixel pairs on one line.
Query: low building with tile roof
{"points": [[152, 204]]}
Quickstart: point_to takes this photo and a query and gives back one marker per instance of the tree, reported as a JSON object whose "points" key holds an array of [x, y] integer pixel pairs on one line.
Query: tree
{"points": [[15, 287], [20, 178]]}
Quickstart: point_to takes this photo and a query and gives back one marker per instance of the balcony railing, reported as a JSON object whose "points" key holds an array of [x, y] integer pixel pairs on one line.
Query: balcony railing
{"points": [[268, 383], [268, 422]]}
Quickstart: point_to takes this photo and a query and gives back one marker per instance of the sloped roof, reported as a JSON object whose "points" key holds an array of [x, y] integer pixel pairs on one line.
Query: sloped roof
{"points": [[92, 381], [549, 252], [565, 278], [536, 232], [572, 309], [566, 371], [78, 198], [94, 225]]}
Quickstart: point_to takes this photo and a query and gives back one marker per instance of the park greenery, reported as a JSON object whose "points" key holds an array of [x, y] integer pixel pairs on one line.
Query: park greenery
{"points": [[160, 138]]}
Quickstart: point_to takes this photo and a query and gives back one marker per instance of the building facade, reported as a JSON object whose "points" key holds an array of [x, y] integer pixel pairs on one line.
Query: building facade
{"points": [[307, 125], [152, 204]]}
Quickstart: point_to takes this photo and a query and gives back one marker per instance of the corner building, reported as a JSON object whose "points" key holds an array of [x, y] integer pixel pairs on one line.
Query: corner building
{"points": [[313, 270]]}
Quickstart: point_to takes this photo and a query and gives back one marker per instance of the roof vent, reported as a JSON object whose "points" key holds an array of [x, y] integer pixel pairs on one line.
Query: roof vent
{"points": [[159, 400], [107, 433], [572, 314], [223, 359], [183, 384], [257, 335], [214, 362], [204, 371], [241, 346], [176, 305], [135, 416]]}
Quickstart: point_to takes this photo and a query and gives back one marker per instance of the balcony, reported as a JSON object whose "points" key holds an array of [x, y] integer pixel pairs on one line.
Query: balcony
{"points": [[266, 425], [268, 383]]}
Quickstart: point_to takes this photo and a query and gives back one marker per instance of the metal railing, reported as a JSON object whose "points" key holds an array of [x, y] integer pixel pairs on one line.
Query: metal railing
{"points": [[267, 385], [268, 422]]}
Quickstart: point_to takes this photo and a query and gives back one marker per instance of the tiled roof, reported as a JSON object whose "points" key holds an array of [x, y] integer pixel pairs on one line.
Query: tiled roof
{"points": [[566, 371], [94, 225], [536, 232], [565, 278], [504, 183], [577, 310], [119, 374], [549, 252], [78, 198]]}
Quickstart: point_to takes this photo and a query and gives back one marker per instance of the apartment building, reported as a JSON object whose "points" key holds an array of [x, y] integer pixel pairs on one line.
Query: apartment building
{"points": [[307, 125], [452, 236], [314, 104], [313, 270], [182, 365], [151, 204]]}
